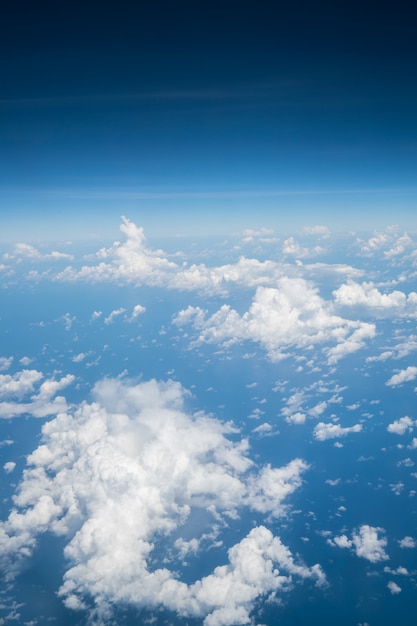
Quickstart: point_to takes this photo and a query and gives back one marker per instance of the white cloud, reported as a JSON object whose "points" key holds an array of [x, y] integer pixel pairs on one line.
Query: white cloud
{"points": [[109, 319], [365, 543], [5, 363], [14, 388], [367, 295], [293, 248], [18, 384], [394, 588], [25, 361], [403, 376], [79, 357], [26, 251], [118, 473], [401, 426], [9, 467], [292, 315], [407, 542], [138, 309], [325, 431]]}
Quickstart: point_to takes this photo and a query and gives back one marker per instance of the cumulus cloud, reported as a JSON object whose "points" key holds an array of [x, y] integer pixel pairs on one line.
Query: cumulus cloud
{"points": [[292, 315], [325, 431], [390, 243], [407, 542], [114, 475], [403, 376], [15, 389], [366, 295], [9, 467], [366, 543], [394, 588], [138, 309], [132, 262], [401, 426]]}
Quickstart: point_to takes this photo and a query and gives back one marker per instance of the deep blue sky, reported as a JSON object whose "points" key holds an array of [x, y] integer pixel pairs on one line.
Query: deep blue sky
{"points": [[196, 110]]}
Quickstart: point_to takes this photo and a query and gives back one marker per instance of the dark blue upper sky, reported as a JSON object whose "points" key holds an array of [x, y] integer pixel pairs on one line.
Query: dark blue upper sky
{"points": [[240, 106]]}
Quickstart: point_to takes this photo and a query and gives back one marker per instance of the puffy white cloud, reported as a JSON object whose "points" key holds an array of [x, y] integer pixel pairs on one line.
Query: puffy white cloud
{"points": [[292, 315], [325, 431], [9, 467], [14, 388], [407, 542], [389, 242], [401, 426], [366, 295], [138, 309], [393, 587], [365, 543], [18, 384], [403, 376], [116, 474]]}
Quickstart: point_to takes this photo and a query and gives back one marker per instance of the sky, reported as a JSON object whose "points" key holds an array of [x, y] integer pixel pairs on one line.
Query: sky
{"points": [[206, 116]]}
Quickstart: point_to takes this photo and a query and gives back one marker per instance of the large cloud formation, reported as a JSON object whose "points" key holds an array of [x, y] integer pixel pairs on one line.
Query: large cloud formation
{"points": [[133, 468], [291, 315]]}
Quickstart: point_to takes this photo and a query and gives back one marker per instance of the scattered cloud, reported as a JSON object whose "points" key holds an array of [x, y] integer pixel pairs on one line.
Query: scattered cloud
{"points": [[325, 431], [366, 295], [9, 467], [15, 388], [407, 542], [365, 543], [401, 426], [394, 588], [110, 318], [403, 376]]}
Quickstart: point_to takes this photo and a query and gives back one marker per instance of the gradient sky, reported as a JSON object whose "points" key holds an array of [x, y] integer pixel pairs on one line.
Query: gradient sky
{"points": [[202, 116]]}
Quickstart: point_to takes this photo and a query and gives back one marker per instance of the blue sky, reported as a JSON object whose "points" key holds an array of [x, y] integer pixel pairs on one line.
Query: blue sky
{"points": [[197, 117]]}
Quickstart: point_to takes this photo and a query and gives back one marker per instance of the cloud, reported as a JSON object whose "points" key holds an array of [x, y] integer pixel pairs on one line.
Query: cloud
{"points": [[325, 431], [401, 426], [9, 467], [292, 247], [5, 363], [26, 251], [365, 543], [138, 309], [14, 388], [115, 475], [366, 295], [292, 315], [394, 588], [403, 376], [109, 319], [132, 262], [407, 542]]}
